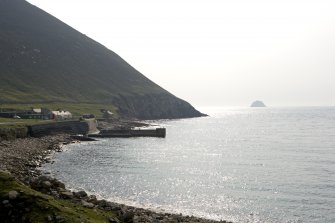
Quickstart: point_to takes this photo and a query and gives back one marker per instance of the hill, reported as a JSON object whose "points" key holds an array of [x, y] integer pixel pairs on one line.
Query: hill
{"points": [[45, 61]]}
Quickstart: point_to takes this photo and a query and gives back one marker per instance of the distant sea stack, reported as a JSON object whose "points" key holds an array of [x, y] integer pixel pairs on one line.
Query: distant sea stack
{"points": [[258, 104], [43, 60]]}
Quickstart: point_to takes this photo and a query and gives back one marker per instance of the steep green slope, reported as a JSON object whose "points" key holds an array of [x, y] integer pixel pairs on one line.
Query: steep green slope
{"points": [[42, 60]]}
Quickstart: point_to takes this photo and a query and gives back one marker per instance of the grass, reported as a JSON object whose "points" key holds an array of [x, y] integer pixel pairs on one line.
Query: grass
{"points": [[18, 123], [77, 109], [41, 206], [25, 121]]}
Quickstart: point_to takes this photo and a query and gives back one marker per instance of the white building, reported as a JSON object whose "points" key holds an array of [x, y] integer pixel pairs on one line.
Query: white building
{"points": [[61, 115]]}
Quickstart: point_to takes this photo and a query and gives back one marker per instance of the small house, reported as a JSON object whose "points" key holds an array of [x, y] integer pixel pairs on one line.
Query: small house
{"points": [[61, 115]]}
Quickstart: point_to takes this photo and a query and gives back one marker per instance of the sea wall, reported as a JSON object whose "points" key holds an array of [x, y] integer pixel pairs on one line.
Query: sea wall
{"points": [[70, 127]]}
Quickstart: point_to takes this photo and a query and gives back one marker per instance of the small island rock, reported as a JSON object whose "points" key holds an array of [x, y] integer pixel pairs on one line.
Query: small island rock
{"points": [[257, 104]]}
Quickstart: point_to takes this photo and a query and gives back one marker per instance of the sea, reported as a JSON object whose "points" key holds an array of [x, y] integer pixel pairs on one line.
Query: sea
{"points": [[237, 164]]}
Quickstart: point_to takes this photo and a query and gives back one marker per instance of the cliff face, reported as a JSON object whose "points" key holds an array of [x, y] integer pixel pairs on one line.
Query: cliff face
{"points": [[160, 106], [44, 60]]}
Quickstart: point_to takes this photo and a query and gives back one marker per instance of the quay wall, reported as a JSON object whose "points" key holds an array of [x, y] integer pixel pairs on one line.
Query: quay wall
{"points": [[159, 132], [70, 127]]}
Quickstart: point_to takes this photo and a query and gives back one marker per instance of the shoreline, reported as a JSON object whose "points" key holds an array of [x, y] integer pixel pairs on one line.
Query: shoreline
{"points": [[23, 157]]}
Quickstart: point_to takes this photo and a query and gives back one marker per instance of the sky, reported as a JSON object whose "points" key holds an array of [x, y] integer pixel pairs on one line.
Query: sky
{"points": [[218, 52]]}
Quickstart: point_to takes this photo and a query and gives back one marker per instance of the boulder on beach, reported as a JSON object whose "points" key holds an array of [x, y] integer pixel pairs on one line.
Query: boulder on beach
{"points": [[257, 104]]}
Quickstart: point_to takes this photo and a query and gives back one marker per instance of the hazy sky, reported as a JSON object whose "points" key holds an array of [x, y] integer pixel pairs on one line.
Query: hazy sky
{"points": [[218, 52]]}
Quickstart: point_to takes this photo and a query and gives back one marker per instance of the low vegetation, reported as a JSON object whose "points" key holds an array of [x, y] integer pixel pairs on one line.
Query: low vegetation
{"points": [[11, 122], [77, 109], [19, 203]]}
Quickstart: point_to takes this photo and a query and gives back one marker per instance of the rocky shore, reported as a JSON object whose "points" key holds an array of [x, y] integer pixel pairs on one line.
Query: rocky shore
{"points": [[22, 157]]}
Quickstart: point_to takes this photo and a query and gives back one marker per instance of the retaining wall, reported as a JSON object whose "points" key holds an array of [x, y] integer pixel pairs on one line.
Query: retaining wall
{"points": [[70, 127]]}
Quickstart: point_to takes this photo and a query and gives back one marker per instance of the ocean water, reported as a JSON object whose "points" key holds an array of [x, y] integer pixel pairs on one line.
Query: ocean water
{"points": [[239, 164]]}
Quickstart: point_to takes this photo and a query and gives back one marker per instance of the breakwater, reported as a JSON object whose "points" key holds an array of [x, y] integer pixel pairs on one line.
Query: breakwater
{"points": [[126, 133]]}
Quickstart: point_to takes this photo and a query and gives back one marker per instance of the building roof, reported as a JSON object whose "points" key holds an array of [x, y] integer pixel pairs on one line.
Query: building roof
{"points": [[61, 113], [37, 110]]}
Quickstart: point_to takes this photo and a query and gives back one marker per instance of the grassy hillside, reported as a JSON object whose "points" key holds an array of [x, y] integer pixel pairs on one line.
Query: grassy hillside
{"points": [[43, 60]]}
